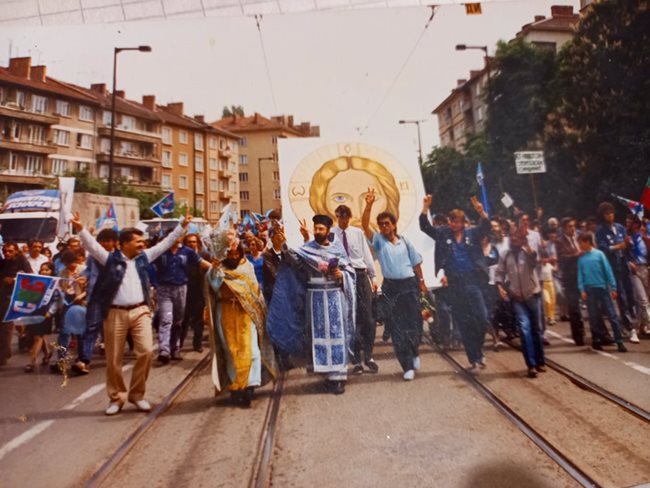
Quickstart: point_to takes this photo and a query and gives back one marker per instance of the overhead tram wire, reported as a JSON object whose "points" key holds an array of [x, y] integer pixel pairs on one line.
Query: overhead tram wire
{"points": [[258, 19], [401, 70]]}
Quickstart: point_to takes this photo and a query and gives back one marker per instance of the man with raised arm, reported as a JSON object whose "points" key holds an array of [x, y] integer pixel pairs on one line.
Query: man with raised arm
{"points": [[464, 263], [126, 307], [403, 282]]}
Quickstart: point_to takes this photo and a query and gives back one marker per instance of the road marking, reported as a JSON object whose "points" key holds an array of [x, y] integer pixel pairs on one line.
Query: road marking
{"points": [[40, 427], [630, 364]]}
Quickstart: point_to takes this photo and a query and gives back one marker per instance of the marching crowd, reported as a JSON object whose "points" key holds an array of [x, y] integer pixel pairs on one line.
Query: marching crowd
{"points": [[269, 307]]}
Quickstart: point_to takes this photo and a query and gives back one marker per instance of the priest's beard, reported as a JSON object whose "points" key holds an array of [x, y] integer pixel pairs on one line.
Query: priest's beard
{"points": [[320, 239], [231, 262]]}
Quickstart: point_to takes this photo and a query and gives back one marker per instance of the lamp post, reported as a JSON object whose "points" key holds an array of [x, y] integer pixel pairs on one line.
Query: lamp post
{"points": [[259, 178], [117, 50], [416, 122], [465, 47]]}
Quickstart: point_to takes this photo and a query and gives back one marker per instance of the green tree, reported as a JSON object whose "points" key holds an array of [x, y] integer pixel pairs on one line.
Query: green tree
{"points": [[602, 126], [232, 110]]}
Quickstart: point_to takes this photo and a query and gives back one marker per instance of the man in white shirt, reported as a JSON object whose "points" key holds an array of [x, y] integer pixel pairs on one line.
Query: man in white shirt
{"points": [[34, 257], [123, 289], [358, 251]]}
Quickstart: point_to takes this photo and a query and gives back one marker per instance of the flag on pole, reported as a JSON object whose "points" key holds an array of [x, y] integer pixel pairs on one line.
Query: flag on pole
{"points": [[481, 184], [635, 207], [645, 197], [164, 206], [228, 217], [108, 219], [30, 295]]}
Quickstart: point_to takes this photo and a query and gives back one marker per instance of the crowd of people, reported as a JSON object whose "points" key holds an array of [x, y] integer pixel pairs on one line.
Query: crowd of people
{"points": [[269, 307]]}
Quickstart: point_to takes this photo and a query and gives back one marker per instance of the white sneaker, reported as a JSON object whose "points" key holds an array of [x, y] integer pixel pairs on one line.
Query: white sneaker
{"points": [[634, 338], [113, 408], [142, 405], [473, 369], [409, 375], [481, 362], [416, 363]]}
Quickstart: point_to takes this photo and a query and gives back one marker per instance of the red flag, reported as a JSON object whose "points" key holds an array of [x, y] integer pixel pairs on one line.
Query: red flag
{"points": [[645, 197]]}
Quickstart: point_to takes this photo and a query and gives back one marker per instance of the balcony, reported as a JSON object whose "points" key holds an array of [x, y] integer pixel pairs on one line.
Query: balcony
{"points": [[131, 134], [224, 195], [225, 153], [37, 147], [145, 185], [224, 173], [14, 111], [130, 159], [22, 176]]}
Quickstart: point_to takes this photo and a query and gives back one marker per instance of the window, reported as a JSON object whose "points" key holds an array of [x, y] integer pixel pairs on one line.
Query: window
{"points": [[244, 213], [39, 104], [244, 196], [182, 202], [243, 176], [198, 162], [106, 117], [128, 122], [182, 159], [213, 184], [214, 206], [20, 99], [233, 187], [198, 141], [36, 134], [199, 204], [87, 114], [103, 171], [276, 176], [166, 159], [60, 166], [166, 182], [62, 137], [11, 131], [33, 165], [222, 185], [276, 194], [85, 141], [274, 140], [82, 167], [243, 159], [232, 166], [198, 185], [13, 162], [182, 137], [128, 149], [212, 142], [182, 182], [105, 146], [222, 166], [243, 142], [167, 135], [63, 108], [213, 164]]}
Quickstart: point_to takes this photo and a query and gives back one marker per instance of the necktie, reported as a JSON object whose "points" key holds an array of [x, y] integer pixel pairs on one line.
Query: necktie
{"points": [[344, 238]]}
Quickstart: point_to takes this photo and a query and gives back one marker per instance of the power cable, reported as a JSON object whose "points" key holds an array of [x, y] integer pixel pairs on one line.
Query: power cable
{"points": [[401, 70], [258, 19]]}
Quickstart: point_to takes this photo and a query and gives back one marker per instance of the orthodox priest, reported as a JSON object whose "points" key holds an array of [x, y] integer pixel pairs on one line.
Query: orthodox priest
{"points": [[312, 312], [242, 357]]}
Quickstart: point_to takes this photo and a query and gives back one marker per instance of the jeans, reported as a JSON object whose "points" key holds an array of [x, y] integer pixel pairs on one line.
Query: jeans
{"points": [[366, 327], [641, 286], [599, 301], [404, 317], [529, 322], [469, 314], [171, 310]]}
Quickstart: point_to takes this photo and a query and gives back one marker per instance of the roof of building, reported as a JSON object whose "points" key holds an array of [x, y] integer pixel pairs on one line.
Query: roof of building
{"points": [[50, 85], [257, 122], [562, 20], [170, 117], [474, 75]]}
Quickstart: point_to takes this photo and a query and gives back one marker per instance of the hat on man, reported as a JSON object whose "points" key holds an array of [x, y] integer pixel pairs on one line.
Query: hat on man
{"points": [[325, 220]]}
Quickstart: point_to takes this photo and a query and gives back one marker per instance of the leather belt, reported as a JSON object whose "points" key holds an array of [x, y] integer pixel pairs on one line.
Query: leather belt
{"points": [[128, 307]]}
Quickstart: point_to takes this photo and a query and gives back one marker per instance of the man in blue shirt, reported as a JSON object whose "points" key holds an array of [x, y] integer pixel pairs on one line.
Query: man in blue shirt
{"points": [[172, 271], [462, 258], [403, 282]]}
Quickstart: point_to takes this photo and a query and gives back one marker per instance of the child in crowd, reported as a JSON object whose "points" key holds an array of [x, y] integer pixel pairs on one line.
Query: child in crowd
{"points": [[39, 331], [597, 286]]}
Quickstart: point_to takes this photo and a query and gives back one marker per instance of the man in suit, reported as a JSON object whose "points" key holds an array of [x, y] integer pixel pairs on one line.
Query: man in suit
{"points": [[568, 253]]}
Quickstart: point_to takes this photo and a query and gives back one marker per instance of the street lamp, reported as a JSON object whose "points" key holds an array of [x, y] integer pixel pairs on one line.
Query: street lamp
{"points": [[259, 178], [416, 122], [465, 47], [144, 49]]}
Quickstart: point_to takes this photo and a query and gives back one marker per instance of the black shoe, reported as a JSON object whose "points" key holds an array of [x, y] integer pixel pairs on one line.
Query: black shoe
{"points": [[621, 347], [198, 349], [163, 358], [597, 347], [176, 356], [607, 341], [338, 387], [372, 366], [532, 373], [357, 369]]}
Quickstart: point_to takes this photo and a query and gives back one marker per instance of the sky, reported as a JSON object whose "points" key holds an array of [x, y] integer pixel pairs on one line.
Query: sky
{"points": [[349, 72]]}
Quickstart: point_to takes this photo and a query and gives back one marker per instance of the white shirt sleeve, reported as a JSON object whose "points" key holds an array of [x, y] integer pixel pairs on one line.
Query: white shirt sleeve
{"points": [[159, 249], [93, 247], [367, 257]]}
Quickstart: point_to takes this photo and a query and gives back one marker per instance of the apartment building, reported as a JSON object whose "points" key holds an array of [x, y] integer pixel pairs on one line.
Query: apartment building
{"points": [[192, 165], [258, 159], [464, 111], [46, 127]]}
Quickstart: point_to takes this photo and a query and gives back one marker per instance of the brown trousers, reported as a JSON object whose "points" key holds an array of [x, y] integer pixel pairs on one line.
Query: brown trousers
{"points": [[116, 327]]}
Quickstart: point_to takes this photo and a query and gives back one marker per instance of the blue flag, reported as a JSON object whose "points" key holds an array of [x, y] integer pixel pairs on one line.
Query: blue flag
{"points": [[108, 219], [479, 180], [30, 297], [164, 206]]}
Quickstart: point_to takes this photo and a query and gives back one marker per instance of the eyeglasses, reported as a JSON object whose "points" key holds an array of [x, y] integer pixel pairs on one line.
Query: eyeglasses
{"points": [[384, 223]]}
